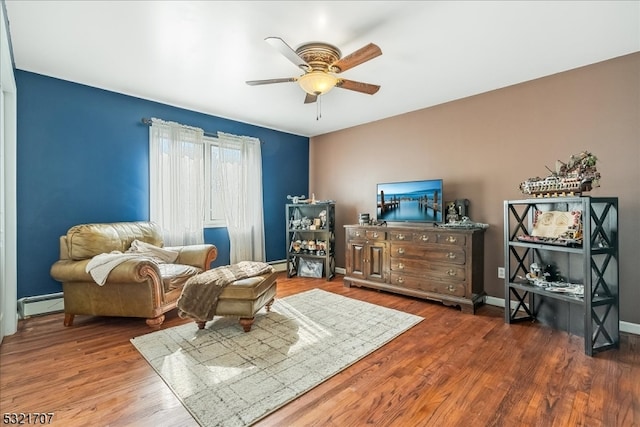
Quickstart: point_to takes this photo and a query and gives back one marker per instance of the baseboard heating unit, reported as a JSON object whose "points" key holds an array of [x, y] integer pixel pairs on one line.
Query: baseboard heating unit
{"points": [[40, 304]]}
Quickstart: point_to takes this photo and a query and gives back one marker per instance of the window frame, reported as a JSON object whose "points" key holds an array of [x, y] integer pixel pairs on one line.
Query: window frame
{"points": [[211, 221]]}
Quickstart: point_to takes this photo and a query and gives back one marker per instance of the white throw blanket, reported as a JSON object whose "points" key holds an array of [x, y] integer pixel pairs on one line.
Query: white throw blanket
{"points": [[101, 265], [158, 254]]}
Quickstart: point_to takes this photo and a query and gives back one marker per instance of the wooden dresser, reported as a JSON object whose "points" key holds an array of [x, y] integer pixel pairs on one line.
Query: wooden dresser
{"points": [[440, 264]]}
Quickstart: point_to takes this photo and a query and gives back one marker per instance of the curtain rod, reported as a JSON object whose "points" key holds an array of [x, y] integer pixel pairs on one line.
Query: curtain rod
{"points": [[209, 134], [148, 122]]}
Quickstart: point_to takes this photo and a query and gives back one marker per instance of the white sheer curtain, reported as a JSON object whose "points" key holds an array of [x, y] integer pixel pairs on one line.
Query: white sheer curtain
{"points": [[176, 174], [240, 174]]}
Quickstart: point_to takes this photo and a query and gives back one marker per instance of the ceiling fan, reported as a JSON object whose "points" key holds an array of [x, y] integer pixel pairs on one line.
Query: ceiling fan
{"points": [[320, 63]]}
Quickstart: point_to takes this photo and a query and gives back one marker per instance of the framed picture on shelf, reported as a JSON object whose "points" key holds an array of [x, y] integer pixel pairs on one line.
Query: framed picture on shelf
{"points": [[310, 268]]}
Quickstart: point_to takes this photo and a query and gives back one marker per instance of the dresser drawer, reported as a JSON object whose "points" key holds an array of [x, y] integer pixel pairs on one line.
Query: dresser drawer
{"points": [[375, 235], [425, 237], [427, 270], [363, 233], [452, 239], [439, 237], [356, 233], [400, 236], [433, 253], [458, 289]]}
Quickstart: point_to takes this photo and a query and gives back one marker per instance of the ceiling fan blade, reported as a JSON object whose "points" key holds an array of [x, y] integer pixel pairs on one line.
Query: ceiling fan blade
{"points": [[269, 81], [361, 55], [310, 98], [288, 52], [358, 86]]}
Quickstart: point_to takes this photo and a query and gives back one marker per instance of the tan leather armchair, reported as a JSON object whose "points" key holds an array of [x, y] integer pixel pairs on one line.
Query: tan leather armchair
{"points": [[134, 288]]}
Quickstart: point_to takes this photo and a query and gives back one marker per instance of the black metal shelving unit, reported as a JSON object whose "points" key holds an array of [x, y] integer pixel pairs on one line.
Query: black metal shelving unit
{"points": [[299, 231], [594, 264]]}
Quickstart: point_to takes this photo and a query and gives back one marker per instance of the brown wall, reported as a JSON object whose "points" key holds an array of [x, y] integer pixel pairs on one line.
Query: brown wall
{"points": [[484, 146]]}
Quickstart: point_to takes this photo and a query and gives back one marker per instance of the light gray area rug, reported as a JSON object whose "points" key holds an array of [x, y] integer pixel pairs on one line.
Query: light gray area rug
{"points": [[226, 377]]}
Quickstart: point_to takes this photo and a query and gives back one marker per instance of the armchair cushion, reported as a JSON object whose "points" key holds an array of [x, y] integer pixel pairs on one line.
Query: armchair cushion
{"points": [[88, 240], [174, 276]]}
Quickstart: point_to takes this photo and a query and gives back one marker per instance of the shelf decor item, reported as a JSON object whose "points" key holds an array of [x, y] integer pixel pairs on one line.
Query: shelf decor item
{"points": [[310, 268], [555, 228], [579, 175]]}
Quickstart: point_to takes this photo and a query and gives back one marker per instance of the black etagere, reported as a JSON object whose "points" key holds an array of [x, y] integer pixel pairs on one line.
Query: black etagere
{"points": [[593, 263], [311, 239]]}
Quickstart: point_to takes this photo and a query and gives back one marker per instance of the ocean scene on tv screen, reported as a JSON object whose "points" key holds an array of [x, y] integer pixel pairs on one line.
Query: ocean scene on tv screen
{"points": [[419, 201]]}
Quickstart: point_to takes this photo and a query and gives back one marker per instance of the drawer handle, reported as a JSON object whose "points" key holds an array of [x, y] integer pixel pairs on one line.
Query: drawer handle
{"points": [[375, 234], [400, 280], [357, 234], [451, 272], [400, 236], [452, 239], [400, 250], [401, 266], [451, 288], [425, 238], [451, 255]]}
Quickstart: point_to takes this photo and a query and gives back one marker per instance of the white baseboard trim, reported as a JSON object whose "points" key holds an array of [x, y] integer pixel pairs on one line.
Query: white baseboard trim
{"points": [[279, 265], [628, 327], [498, 302], [39, 305]]}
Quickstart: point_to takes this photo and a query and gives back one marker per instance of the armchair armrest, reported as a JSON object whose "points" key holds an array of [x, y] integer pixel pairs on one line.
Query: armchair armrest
{"points": [[133, 270], [200, 256]]}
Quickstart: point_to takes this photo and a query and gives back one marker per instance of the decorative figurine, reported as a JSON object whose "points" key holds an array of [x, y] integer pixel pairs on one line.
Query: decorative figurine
{"points": [[577, 176], [296, 199], [323, 218], [452, 213]]}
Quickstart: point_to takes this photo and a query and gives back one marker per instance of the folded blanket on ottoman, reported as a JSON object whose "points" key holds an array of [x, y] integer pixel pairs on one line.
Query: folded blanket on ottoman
{"points": [[200, 294]]}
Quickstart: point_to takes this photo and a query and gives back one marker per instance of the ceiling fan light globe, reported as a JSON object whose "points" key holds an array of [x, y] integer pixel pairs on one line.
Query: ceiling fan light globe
{"points": [[317, 82]]}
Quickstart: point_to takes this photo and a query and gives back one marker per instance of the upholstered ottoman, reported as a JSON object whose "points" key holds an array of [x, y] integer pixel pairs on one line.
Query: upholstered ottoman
{"points": [[244, 298]]}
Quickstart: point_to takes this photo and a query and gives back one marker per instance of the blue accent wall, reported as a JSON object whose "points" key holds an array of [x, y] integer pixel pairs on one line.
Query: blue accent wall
{"points": [[83, 157]]}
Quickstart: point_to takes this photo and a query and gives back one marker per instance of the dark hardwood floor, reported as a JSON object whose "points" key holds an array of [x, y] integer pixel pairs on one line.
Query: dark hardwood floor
{"points": [[451, 369]]}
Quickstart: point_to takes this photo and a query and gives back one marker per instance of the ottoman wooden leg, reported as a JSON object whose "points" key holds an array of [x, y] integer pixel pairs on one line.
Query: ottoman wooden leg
{"points": [[201, 324], [246, 323]]}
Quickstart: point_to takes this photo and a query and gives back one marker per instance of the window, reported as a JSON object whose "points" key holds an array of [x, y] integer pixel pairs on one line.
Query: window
{"points": [[214, 213]]}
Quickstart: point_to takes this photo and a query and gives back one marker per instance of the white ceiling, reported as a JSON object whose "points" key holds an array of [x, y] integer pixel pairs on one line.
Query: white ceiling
{"points": [[198, 55]]}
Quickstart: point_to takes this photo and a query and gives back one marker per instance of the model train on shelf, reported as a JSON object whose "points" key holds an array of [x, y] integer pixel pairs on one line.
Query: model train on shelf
{"points": [[577, 176]]}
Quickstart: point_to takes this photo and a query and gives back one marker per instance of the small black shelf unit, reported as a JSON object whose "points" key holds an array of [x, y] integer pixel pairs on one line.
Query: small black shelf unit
{"points": [[594, 264], [311, 222]]}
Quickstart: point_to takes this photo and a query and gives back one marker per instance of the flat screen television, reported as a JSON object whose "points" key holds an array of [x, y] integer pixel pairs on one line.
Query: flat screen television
{"points": [[410, 201]]}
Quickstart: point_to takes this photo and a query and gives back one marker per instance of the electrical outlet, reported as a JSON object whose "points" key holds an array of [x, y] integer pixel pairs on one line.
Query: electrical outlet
{"points": [[500, 272]]}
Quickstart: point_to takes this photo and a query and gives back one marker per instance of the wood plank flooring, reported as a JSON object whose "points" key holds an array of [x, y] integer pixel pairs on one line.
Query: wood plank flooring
{"points": [[452, 369]]}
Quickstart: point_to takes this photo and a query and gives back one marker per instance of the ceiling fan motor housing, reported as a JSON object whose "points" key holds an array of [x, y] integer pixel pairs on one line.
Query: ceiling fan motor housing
{"points": [[319, 56]]}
